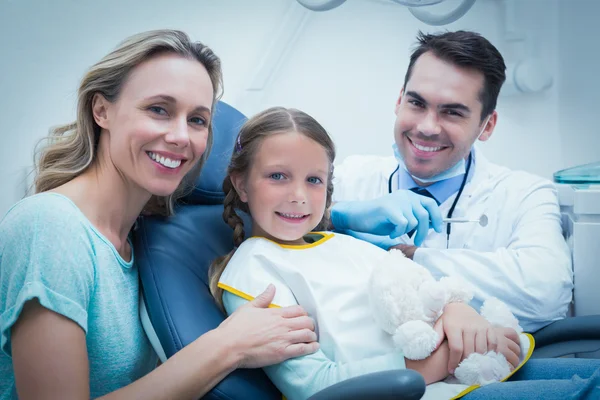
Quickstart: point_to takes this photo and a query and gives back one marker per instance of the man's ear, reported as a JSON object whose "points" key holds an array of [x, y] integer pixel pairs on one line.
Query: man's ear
{"points": [[100, 110], [489, 127], [239, 184], [399, 101]]}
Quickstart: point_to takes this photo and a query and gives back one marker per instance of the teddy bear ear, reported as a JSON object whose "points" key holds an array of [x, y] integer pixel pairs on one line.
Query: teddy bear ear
{"points": [[498, 313]]}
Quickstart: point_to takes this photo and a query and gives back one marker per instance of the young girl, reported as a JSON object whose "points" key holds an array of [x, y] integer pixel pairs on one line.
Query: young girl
{"points": [[281, 175]]}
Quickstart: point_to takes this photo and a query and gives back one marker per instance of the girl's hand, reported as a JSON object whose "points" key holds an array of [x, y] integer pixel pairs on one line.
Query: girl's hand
{"points": [[468, 332], [265, 336]]}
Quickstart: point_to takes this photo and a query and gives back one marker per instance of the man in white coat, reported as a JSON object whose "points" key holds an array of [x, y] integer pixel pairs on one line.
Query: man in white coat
{"points": [[448, 103]]}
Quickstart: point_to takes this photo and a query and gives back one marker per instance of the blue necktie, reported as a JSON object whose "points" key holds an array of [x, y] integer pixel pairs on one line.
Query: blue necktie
{"points": [[422, 192]]}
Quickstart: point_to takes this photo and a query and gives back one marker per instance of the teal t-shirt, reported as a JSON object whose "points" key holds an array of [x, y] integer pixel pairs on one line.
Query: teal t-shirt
{"points": [[50, 251]]}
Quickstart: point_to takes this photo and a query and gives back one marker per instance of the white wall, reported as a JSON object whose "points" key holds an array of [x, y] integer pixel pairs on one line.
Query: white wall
{"points": [[579, 85], [344, 66], [46, 47], [349, 65]]}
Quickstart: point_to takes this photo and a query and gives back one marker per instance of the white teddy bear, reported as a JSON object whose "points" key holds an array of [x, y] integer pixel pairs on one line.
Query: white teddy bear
{"points": [[407, 301]]}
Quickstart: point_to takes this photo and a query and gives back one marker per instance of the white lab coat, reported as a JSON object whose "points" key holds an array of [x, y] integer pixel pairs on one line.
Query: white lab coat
{"points": [[520, 257]]}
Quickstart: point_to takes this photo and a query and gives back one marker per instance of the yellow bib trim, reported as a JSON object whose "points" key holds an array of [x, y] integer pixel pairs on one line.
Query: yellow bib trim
{"points": [[527, 357], [326, 237], [241, 294]]}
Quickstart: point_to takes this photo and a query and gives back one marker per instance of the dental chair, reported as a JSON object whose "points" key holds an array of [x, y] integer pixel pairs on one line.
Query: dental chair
{"points": [[173, 256]]}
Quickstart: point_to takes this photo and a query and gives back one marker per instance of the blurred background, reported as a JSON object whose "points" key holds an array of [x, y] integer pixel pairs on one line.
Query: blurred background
{"points": [[344, 66]]}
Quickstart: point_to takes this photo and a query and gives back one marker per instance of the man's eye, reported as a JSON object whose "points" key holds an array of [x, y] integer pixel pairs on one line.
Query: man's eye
{"points": [[453, 113], [416, 103]]}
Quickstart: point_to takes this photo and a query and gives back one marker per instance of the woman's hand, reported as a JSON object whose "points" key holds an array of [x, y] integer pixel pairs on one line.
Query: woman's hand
{"points": [[266, 336], [468, 332]]}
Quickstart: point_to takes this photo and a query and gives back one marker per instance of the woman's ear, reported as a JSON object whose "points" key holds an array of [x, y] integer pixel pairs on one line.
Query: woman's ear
{"points": [[239, 184], [100, 110]]}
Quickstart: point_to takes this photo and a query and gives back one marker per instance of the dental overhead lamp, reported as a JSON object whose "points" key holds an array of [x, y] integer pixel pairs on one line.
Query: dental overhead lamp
{"points": [[414, 6]]}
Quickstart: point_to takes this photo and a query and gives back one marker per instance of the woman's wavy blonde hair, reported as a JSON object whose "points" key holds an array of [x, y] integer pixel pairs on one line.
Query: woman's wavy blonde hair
{"points": [[273, 121], [71, 149]]}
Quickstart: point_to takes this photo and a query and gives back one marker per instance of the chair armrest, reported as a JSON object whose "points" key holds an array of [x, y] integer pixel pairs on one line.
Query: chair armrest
{"points": [[568, 336], [573, 328], [402, 384]]}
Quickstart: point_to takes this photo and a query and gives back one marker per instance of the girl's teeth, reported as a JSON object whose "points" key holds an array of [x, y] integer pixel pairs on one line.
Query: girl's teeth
{"points": [[292, 216]]}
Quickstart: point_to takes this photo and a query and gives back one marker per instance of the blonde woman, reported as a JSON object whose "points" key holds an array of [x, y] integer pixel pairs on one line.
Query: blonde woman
{"points": [[69, 288]]}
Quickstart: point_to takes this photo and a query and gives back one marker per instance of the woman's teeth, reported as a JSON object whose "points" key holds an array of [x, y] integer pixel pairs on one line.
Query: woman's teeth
{"points": [[167, 162]]}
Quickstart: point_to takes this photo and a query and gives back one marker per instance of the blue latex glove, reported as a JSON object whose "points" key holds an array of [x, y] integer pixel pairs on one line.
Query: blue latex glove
{"points": [[385, 242], [391, 215]]}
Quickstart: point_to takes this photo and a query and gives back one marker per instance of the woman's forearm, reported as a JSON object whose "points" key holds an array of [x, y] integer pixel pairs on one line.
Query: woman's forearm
{"points": [[189, 374]]}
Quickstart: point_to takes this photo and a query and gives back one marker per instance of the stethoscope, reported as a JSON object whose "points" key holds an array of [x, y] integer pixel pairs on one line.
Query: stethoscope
{"points": [[453, 206]]}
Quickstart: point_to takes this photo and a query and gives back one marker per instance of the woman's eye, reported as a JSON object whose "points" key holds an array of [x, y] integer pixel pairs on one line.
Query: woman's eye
{"points": [[198, 121], [315, 180], [158, 110], [277, 176]]}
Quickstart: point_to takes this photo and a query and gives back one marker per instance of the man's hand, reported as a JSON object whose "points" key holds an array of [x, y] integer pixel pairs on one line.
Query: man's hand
{"points": [[407, 249], [468, 332], [384, 242], [391, 215]]}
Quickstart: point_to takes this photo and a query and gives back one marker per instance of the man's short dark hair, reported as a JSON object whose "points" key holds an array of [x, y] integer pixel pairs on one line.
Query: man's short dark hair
{"points": [[469, 50]]}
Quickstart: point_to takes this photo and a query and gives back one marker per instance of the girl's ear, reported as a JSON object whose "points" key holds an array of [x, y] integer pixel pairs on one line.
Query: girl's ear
{"points": [[239, 184]]}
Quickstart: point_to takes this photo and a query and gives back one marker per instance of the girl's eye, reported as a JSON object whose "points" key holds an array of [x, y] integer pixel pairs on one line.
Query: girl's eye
{"points": [[314, 180], [198, 121], [158, 110], [277, 176]]}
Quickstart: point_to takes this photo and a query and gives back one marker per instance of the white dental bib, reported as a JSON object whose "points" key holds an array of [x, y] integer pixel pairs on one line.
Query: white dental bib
{"points": [[328, 278]]}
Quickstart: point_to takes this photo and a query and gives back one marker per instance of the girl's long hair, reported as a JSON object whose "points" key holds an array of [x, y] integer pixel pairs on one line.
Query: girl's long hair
{"points": [[273, 121]]}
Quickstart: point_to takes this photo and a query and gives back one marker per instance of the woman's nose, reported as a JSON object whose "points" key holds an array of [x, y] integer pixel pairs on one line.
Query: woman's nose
{"points": [[179, 135]]}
